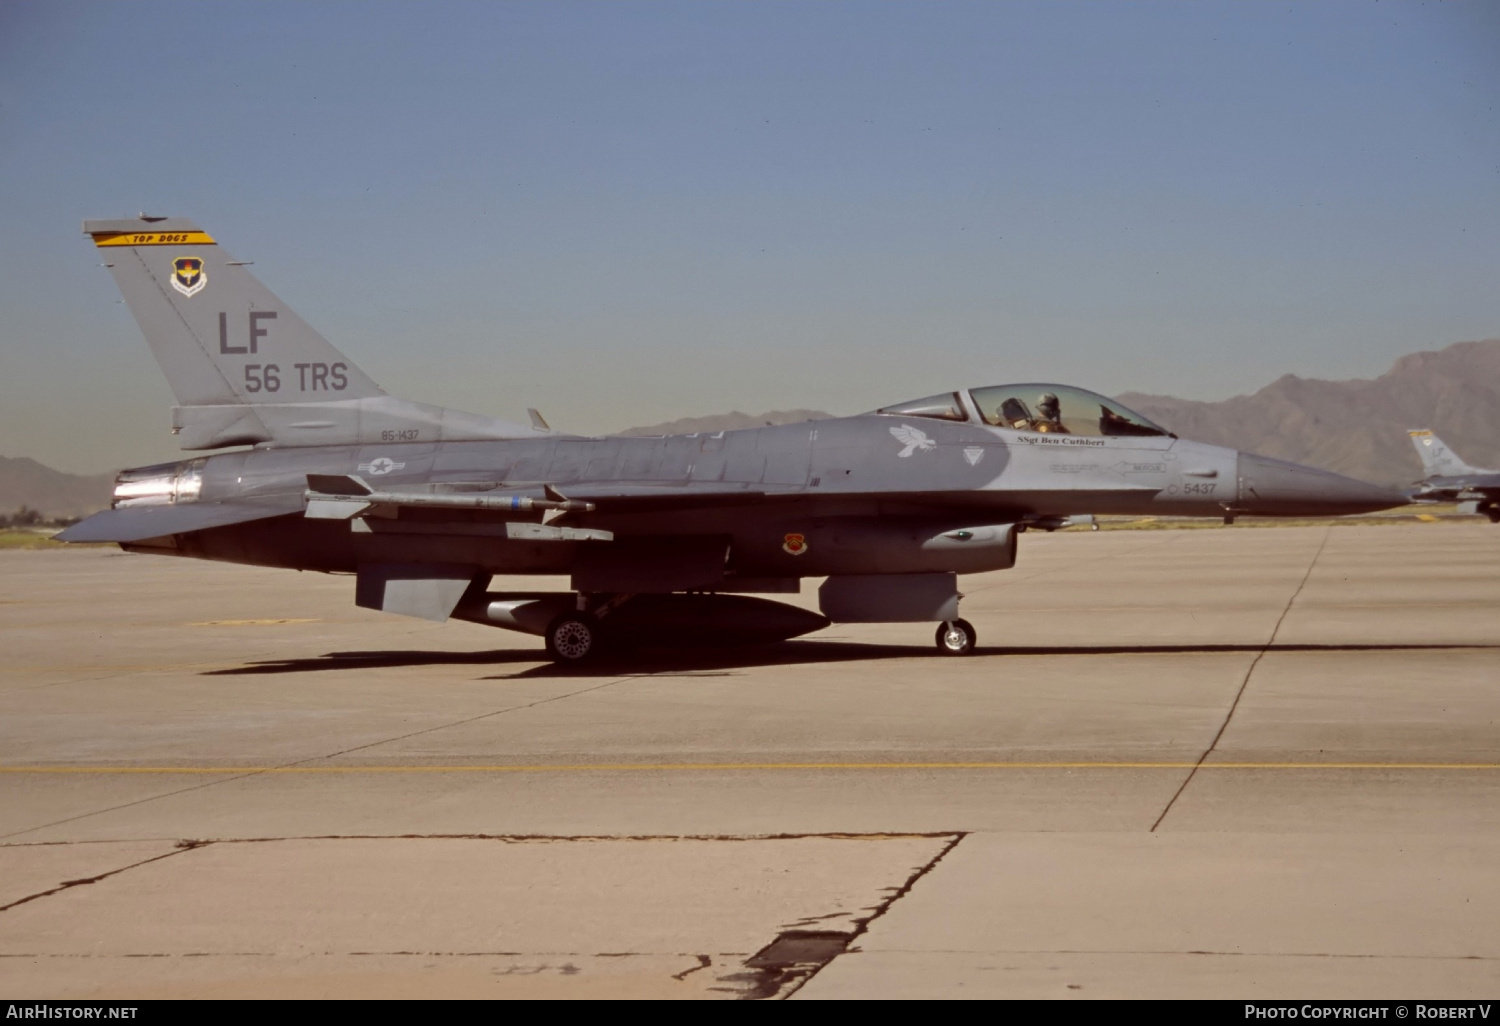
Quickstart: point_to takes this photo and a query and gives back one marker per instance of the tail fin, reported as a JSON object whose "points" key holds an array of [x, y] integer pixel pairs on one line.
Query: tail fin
{"points": [[1437, 459], [218, 333], [244, 367]]}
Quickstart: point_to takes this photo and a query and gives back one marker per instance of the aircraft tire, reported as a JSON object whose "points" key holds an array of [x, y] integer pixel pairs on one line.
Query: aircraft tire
{"points": [[573, 638], [956, 638]]}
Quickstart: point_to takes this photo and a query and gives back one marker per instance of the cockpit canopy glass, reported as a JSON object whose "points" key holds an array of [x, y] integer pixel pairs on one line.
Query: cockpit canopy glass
{"points": [[945, 406], [1059, 409]]}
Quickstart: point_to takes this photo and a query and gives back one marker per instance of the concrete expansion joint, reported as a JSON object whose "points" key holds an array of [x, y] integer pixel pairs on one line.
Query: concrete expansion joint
{"points": [[837, 944], [529, 838], [776, 970]]}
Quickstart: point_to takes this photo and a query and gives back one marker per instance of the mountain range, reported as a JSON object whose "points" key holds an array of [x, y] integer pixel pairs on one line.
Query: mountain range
{"points": [[1351, 427], [25, 482], [735, 421], [1356, 427]]}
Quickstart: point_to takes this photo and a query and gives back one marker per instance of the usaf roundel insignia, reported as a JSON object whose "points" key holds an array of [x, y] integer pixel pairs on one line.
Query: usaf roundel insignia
{"points": [[188, 276], [795, 544]]}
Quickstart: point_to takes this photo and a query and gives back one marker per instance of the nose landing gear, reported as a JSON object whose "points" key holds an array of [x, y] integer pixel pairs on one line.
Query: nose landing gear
{"points": [[956, 637]]}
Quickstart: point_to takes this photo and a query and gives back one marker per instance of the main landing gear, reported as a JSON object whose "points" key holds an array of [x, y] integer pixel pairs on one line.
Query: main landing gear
{"points": [[572, 638], [956, 637]]}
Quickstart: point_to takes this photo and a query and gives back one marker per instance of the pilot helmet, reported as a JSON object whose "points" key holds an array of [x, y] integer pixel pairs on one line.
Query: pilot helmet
{"points": [[1047, 403]]}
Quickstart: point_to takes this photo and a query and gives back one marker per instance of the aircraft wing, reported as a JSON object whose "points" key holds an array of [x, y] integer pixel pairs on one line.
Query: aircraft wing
{"points": [[134, 523]]}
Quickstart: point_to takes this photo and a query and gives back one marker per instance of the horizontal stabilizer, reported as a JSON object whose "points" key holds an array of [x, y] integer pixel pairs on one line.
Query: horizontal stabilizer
{"points": [[135, 523]]}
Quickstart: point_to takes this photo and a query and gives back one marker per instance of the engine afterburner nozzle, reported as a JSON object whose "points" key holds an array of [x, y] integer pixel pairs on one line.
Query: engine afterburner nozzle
{"points": [[1276, 488]]}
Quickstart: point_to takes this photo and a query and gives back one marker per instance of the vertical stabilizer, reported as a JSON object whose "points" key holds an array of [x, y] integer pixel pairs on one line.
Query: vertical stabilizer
{"points": [[244, 367], [220, 336], [1437, 459]]}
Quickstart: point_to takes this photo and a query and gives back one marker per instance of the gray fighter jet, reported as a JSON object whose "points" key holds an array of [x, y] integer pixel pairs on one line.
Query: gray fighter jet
{"points": [[664, 538], [1450, 479]]}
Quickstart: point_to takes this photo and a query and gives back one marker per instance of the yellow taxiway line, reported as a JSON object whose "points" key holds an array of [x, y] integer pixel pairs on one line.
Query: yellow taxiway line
{"points": [[615, 767]]}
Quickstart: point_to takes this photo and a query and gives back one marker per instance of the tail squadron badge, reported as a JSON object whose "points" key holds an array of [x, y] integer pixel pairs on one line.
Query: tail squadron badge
{"points": [[794, 544], [188, 276]]}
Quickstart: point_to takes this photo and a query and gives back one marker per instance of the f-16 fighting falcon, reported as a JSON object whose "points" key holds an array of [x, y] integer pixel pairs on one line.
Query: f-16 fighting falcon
{"points": [[664, 538], [1450, 479]]}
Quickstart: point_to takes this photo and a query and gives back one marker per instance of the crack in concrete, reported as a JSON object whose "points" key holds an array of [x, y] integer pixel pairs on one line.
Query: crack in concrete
{"points": [[127, 805], [1244, 683], [704, 962], [108, 840], [84, 881]]}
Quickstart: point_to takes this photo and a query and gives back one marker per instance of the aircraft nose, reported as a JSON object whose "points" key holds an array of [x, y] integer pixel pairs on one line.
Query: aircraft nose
{"points": [[1275, 488]]}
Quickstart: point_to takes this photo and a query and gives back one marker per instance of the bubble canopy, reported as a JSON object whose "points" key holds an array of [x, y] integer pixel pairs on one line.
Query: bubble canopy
{"points": [[1035, 407]]}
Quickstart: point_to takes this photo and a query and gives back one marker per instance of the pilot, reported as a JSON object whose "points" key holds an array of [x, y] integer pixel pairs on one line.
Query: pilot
{"points": [[1049, 414]]}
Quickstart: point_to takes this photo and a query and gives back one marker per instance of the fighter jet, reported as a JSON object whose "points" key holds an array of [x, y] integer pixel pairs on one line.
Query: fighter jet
{"points": [[664, 539], [1450, 479]]}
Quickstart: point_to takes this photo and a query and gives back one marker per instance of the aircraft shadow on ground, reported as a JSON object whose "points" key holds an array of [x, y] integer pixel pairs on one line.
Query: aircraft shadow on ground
{"points": [[637, 661], [704, 661]]}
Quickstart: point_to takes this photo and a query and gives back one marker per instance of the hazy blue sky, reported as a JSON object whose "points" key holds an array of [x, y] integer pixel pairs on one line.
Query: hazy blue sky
{"points": [[628, 212]]}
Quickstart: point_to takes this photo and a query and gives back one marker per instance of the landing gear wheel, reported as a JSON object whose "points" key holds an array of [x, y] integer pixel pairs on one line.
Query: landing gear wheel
{"points": [[1494, 514], [573, 638], [956, 637]]}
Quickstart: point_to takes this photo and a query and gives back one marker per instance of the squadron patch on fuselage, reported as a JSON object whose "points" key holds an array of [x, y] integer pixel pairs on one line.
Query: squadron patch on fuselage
{"points": [[188, 275], [914, 440], [794, 544]]}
